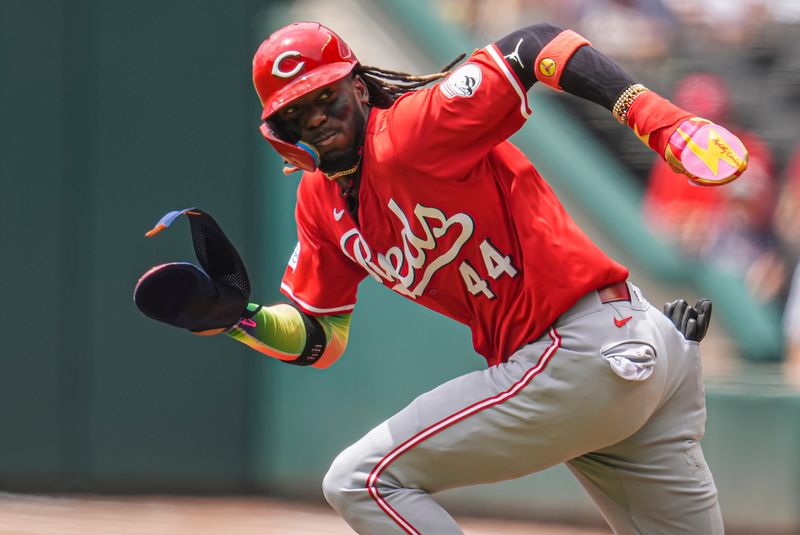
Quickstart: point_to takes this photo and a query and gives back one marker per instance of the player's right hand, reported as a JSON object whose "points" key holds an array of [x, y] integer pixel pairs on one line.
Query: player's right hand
{"points": [[206, 300], [691, 321], [183, 295]]}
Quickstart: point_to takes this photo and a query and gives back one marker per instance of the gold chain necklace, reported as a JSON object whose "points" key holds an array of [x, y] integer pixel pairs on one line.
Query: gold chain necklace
{"points": [[345, 172]]}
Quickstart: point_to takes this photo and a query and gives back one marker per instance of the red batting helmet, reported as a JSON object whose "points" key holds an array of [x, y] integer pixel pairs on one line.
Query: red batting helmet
{"points": [[292, 62]]}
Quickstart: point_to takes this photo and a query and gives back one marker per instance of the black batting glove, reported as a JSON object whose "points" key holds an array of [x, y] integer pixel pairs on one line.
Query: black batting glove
{"points": [[691, 321]]}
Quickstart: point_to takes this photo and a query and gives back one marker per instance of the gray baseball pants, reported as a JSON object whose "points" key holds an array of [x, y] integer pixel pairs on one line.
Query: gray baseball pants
{"points": [[622, 406]]}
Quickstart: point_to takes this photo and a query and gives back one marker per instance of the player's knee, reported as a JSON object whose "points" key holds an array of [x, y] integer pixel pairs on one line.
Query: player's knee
{"points": [[332, 486], [344, 480]]}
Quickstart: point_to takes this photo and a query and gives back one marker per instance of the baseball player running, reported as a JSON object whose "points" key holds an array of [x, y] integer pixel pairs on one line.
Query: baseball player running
{"points": [[415, 185]]}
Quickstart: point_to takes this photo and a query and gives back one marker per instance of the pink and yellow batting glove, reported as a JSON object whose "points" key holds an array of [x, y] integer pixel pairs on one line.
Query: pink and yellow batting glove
{"points": [[707, 153]]}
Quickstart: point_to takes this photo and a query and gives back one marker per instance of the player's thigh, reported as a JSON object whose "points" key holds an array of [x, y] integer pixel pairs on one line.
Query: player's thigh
{"points": [[548, 404], [672, 493], [657, 481], [455, 434]]}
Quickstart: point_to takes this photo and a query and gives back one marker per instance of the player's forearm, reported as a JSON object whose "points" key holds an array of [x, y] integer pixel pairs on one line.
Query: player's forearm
{"points": [[564, 60], [282, 332], [706, 153]]}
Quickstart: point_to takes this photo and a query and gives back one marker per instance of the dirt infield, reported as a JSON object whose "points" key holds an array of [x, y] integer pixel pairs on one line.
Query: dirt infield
{"points": [[41, 515]]}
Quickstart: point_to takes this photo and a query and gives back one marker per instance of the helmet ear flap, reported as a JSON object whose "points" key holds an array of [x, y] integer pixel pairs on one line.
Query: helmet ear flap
{"points": [[301, 155]]}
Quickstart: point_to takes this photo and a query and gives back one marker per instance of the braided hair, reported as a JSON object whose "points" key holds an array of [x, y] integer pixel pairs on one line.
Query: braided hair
{"points": [[386, 86]]}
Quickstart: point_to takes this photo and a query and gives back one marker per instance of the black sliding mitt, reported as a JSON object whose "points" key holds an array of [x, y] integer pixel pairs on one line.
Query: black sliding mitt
{"points": [[691, 321], [206, 299]]}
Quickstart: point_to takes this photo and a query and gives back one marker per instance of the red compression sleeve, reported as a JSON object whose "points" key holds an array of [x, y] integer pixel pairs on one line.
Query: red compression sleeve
{"points": [[654, 119]]}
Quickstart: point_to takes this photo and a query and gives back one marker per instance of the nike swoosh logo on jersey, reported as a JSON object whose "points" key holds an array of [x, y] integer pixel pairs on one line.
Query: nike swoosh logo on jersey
{"points": [[337, 214], [621, 323]]}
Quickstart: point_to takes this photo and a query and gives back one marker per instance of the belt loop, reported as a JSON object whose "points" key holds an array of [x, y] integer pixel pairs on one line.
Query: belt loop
{"points": [[614, 292]]}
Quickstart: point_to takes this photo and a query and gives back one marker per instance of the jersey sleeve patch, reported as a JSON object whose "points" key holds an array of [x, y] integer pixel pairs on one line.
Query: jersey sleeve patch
{"points": [[463, 82], [294, 257]]}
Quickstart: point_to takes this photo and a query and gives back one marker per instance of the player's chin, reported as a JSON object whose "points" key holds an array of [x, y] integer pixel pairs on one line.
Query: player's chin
{"points": [[336, 160]]}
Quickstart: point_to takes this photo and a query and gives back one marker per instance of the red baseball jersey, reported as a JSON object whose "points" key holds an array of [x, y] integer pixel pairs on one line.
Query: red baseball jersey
{"points": [[452, 216]]}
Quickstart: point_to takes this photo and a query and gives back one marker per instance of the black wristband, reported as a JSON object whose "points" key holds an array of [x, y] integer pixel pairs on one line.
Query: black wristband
{"points": [[316, 341], [251, 310]]}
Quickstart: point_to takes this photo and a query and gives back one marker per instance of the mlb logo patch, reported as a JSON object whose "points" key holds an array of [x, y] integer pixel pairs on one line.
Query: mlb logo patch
{"points": [[294, 257]]}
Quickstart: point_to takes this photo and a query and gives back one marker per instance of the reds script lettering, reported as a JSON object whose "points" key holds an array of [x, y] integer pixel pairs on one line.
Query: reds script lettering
{"points": [[407, 264], [404, 264]]}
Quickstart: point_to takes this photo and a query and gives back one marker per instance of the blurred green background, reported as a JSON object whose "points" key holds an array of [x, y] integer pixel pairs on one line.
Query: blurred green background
{"points": [[114, 113]]}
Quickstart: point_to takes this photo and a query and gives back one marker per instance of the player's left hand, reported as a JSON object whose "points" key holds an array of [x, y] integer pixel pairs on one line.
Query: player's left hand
{"points": [[707, 153], [691, 321]]}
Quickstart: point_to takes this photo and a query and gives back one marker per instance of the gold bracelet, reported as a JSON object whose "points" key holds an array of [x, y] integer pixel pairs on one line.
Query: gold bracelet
{"points": [[625, 100]]}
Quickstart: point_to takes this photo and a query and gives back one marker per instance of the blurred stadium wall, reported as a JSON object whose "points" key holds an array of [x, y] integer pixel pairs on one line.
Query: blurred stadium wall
{"points": [[114, 113]]}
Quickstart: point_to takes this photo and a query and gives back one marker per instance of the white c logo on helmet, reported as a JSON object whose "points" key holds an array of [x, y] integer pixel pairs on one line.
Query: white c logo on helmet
{"points": [[276, 67]]}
